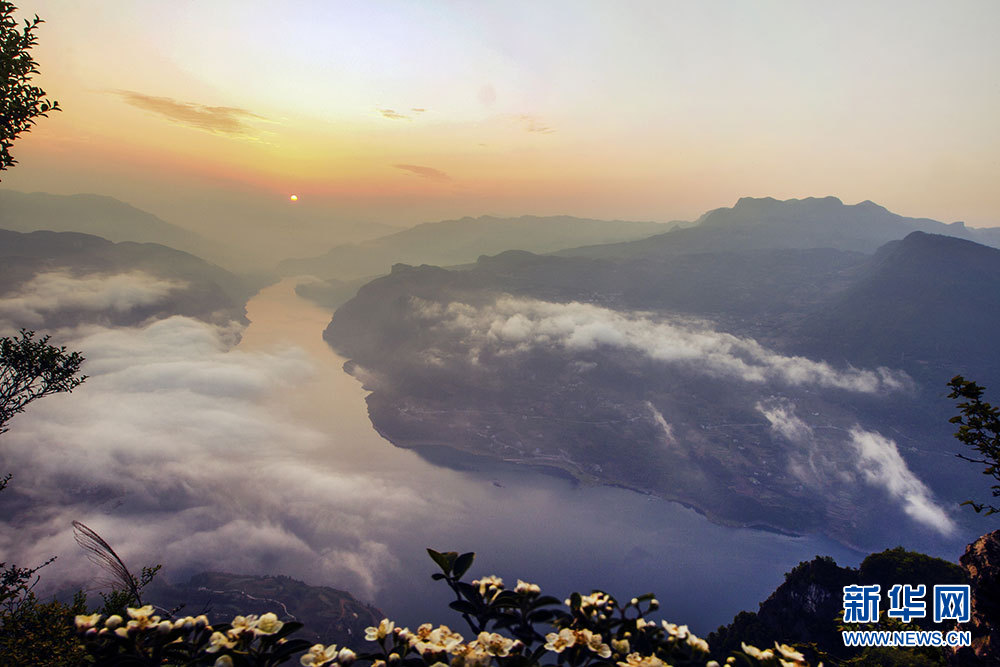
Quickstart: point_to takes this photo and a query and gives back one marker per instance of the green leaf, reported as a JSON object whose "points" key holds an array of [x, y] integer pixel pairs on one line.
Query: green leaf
{"points": [[290, 647], [546, 600], [463, 563], [463, 607], [288, 628], [507, 599], [441, 560]]}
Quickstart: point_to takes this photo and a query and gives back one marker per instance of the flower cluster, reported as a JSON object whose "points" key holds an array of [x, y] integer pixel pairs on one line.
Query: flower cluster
{"points": [[490, 587], [510, 628], [146, 638], [326, 656]]}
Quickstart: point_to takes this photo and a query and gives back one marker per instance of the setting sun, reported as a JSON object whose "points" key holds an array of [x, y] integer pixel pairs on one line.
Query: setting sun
{"points": [[293, 198]]}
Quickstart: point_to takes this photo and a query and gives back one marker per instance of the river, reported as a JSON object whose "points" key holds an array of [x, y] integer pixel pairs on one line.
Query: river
{"points": [[522, 522]]}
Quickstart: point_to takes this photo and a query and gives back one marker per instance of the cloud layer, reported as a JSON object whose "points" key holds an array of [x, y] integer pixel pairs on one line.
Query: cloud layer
{"points": [[49, 293], [834, 460], [179, 450], [221, 120], [841, 461], [512, 324], [880, 463], [429, 173]]}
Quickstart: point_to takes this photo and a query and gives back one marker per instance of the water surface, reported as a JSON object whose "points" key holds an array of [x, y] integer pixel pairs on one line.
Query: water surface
{"points": [[523, 523]]}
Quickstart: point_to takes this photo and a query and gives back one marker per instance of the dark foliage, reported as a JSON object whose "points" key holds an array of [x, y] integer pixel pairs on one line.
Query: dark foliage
{"points": [[978, 428], [22, 102]]}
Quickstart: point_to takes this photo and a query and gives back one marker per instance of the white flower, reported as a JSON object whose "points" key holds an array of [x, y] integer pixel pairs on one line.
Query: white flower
{"points": [[637, 660], [525, 587], [560, 642], [385, 626], [267, 624], [494, 644], [142, 618], [595, 602], [788, 652], [319, 655], [223, 661], [697, 643], [113, 621], [594, 643], [677, 631], [469, 655], [755, 652], [86, 621], [439, 640], [346, 656], [219, 641], [242, 624], [491, 584], [140, 612]]}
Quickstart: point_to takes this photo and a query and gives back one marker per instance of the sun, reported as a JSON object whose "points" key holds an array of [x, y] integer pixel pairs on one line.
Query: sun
{"points": [[293, 197]]}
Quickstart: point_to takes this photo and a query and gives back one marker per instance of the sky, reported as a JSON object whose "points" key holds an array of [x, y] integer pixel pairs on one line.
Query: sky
{"points": [[211, 114]]}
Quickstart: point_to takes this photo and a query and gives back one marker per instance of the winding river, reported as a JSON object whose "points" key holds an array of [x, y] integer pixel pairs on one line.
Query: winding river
{"points": [[523, 523]]}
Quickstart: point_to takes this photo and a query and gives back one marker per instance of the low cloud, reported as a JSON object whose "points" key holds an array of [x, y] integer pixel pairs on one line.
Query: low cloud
{"points": [[424, 172], [220, 120], [829, 461], [783, 421], [881, 465], [392, 114], [49, 293], [178, 450], [534, 124], [512, 324], [665, 427]]}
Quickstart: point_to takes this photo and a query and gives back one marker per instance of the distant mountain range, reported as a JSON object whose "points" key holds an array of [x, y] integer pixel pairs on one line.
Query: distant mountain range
{"points": [[764, 382], [461, 241], [98, 215], [768, 223], [51, 279]]}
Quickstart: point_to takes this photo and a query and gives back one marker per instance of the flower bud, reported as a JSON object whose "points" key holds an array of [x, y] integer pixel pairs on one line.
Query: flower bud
{"points": [[113, 622]]}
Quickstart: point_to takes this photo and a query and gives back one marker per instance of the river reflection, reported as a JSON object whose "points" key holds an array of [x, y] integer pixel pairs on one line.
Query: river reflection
{"points": [[523, 523]]}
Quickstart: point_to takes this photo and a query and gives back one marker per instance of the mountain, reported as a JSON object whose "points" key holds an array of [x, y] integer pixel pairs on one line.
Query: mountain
{"points": [[803, 609], [928, 303], [98, 215], [795, 223], [797, 389], [64, 278], [331, 616], [460, 241]]}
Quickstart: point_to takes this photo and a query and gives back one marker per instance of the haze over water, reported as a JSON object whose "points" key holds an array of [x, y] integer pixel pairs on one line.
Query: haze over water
{"points": [[522, 523]]}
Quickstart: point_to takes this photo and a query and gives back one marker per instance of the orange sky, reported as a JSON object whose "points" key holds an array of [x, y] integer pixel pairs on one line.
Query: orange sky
{"points": [[209, 114]]}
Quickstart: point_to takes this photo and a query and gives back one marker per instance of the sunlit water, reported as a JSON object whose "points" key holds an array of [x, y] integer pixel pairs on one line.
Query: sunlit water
{"points": [[521, 522]]}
